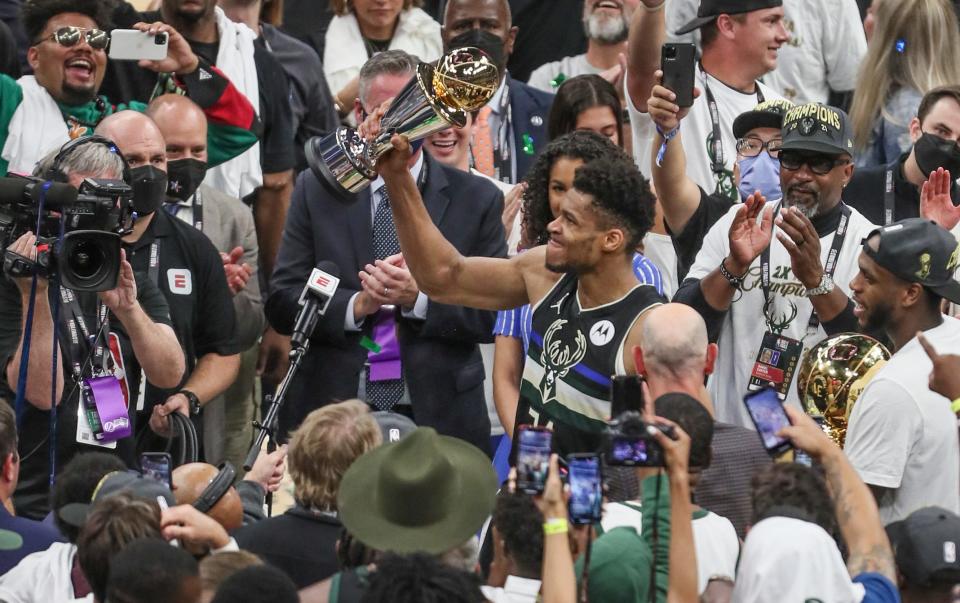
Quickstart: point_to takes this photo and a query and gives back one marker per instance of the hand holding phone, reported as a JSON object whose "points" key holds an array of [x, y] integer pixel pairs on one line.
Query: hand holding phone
{"points": [[136, 45], [586, 488], [768, 415], [677, 62], [533, 458]]}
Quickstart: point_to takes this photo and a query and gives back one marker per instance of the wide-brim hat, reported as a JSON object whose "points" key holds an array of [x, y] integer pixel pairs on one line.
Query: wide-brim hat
{"points": [[425, 493]]}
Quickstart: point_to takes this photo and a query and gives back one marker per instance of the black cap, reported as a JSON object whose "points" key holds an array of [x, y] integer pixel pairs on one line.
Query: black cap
{"points": [[130, 481], [768, 114], [711, 9], [393, 426], [918, 250], [817, 127], [925, 546]]}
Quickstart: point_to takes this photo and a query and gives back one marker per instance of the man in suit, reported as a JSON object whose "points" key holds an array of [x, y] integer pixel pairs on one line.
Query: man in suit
{"points": [[425, 353], [228, 223], [512, 128]]}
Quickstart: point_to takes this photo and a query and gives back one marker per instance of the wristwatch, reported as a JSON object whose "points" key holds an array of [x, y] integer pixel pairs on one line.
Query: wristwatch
{"points": [[193, 399], [826, 286]]}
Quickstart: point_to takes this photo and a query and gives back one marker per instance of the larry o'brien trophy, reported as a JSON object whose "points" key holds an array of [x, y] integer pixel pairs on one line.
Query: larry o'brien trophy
{"points": [[437, 97], [832, 376]]}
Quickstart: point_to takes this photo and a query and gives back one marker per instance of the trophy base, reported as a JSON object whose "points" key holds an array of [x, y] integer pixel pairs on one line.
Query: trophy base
{"points": [[339, 161]]}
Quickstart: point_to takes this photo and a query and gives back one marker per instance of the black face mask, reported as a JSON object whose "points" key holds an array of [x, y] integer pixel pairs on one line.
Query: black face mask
{"points": [[932, 152], [184, 176], [485, 41], [149, 186]]}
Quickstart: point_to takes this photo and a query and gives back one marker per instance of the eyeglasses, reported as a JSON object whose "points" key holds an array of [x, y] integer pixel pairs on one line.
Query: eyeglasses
{"points": [[818, 164], [751, 146], [70, 36]]}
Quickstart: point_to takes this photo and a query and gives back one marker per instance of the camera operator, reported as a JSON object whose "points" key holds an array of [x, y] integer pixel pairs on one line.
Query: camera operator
{"points": [[138, 325], [186, 267]]}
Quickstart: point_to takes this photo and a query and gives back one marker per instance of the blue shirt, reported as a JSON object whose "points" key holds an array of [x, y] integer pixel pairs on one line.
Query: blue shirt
{"points": [[518, 321], [879, 588], [36, 536]]}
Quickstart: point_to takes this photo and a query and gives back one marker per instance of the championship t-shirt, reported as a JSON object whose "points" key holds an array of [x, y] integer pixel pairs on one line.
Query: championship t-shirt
{"points": [[697, 132], [744, 325]]}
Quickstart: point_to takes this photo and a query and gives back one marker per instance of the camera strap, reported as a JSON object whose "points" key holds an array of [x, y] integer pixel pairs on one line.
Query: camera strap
{"points": [[717, 164], [83, 341], [197, 211]]}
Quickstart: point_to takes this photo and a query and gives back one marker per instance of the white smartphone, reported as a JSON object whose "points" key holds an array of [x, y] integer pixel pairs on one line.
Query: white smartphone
{"points": [[134, 45]]}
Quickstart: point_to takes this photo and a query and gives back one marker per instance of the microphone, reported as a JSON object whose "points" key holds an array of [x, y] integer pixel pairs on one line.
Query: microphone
{"points": [[22, 190], [314, 299]]}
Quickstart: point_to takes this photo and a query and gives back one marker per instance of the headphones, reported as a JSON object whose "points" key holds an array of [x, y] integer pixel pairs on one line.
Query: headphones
{"points": [[56, 174], [217, 487]]}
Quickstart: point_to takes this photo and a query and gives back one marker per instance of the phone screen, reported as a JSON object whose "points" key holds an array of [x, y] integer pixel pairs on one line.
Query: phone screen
{"points": [[158, 466], [629, 451], [533, 458], [768, 415], [586, 492]]}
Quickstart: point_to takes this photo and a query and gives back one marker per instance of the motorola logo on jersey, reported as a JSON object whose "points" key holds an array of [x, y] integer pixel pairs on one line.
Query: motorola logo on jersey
{"points": [[602, 332]]}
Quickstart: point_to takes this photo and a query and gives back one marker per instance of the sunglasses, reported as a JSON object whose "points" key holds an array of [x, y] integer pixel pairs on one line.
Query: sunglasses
{"points": [[818, 164], [70, 36]]}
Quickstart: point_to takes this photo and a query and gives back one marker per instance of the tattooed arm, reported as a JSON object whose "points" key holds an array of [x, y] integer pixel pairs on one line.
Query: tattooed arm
{"points": [[854, 504]]}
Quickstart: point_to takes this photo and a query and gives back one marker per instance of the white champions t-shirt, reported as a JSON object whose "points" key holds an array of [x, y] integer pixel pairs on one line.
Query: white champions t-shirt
{"points": [[697, 132], [901, 435], [826, 46], [744, 324], [543, 76]]}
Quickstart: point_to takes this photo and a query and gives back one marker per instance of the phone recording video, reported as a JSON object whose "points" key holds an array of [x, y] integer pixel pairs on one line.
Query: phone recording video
{"points": [[159, 466], [533, 458], [769, 417], [586, 490]]}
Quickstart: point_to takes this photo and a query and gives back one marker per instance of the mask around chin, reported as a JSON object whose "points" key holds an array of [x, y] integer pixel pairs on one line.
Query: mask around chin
{"points": [[489, 43], [149, 184], [932, 152], [760, 173]]}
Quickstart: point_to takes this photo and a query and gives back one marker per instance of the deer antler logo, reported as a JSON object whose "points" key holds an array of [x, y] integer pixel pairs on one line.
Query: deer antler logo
{"points": [[557, 358], [779, 321]]}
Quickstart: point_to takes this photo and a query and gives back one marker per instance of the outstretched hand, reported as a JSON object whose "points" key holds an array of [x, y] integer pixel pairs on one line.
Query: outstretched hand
{"points": [[747, 237], [661, 105], [935, 201]]}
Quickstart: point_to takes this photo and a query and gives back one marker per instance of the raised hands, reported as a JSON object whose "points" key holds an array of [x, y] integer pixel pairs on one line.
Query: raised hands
{"points": [[748, 237], [935, 201], [803, 243], [661, 107]]}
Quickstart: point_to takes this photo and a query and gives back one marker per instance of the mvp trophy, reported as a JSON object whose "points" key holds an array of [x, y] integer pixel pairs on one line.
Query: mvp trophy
{"points": [[436, 98]]}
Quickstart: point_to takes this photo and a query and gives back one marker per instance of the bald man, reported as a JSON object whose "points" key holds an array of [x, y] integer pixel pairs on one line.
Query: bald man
{"points": [[186, 267], [228, 223], [487, 24], [675, 355]]}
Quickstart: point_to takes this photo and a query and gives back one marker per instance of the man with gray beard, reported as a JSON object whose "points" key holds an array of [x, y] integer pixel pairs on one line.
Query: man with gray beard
{"points": [[768, 298], [606, 24]]}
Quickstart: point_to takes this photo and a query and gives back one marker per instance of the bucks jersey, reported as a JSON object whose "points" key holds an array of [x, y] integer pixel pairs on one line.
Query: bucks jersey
{"points": [[572, 355]]}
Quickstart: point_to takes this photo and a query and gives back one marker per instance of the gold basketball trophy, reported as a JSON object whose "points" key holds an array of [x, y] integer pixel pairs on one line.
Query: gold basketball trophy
{"points": [[832, 376], [437, 97]]}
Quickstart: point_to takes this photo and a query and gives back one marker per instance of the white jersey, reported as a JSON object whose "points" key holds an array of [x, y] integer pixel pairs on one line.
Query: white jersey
{"points": [[658, 248], [826, 46], [903, 436], [697, 129], [543, 77], [744, 324]]}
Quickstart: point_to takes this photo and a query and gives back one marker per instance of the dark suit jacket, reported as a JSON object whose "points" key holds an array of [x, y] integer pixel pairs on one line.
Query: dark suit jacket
{"points": [[440, 357], [530, 109]]}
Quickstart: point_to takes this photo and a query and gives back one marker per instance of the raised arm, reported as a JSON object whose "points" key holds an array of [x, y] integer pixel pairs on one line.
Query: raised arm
{"points": [[647, 35]]}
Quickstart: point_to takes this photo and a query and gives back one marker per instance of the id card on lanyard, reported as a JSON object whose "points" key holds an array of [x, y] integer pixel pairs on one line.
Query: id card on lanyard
{"points": [[718, 163], [779, 355]]}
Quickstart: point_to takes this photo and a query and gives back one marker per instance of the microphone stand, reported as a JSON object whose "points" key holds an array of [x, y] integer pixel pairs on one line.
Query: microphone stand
{"points": [[268, 426]]}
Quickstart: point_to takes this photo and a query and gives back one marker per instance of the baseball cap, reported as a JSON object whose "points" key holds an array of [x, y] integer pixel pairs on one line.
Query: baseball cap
{"points": [[918, 250], [817, 127], [130, 481], [393, 426], [768, 114], [925, 546], [711, 9]]}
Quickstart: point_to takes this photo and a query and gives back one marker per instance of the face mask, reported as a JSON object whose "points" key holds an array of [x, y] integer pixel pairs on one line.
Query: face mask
{"points": [[485, 41], [184, 176], [149, 186], [933, 152], [760, 173]]}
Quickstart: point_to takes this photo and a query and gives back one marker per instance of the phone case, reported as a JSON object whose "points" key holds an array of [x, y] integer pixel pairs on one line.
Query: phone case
{"points": [[677, 61], [780, 447], [134, 45]]}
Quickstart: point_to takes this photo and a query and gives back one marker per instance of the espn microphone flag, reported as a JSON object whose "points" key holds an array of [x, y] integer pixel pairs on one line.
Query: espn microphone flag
{"points": [[322, 285]]}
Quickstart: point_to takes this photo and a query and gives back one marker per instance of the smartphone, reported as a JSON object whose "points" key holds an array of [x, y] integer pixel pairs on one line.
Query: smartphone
{"points": [[769, 417], [678, 61], [626, 393], [159, 466], [134, 45], [586, 490], [533, 458]]}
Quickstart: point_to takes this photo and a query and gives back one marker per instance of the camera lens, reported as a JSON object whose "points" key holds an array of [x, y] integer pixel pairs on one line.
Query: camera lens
{"points": [[160, 39], [670, 52], [86, 260]]}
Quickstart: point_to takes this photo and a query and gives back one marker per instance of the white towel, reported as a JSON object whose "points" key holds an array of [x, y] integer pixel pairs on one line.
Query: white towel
{"points": [[241, 175], [36, 128]]}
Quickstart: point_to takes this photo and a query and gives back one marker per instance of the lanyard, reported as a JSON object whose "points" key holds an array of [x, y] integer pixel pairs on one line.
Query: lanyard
{"points": [[717, 163], [828, 269], [502, 159], [888, 199], [196, 208], [82, 339], [153, 268]]}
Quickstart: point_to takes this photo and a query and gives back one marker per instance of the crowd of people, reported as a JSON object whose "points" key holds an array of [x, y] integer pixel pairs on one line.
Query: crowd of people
{"points": [[669, 316]]}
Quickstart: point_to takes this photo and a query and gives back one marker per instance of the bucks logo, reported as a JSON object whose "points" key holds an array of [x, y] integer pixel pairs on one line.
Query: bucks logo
{"points": [[558, 357], [777, 322]]}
